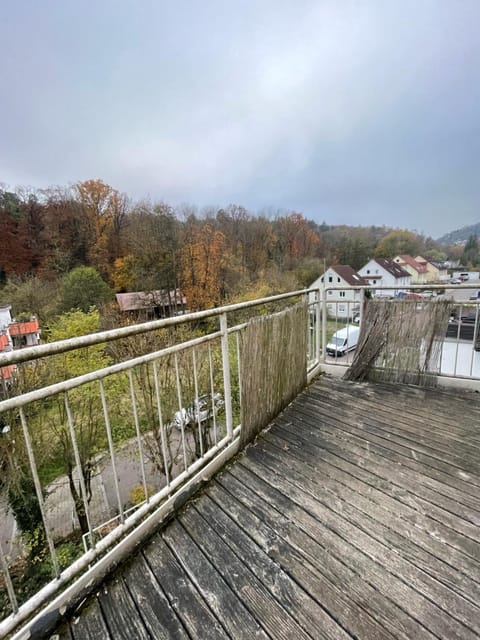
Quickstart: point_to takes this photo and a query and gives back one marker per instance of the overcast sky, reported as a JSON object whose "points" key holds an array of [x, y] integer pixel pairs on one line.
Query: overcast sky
{"points": [[362, 112]]}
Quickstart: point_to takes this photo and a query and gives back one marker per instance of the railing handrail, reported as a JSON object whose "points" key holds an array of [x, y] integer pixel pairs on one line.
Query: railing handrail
{"points": [[101, 337]]}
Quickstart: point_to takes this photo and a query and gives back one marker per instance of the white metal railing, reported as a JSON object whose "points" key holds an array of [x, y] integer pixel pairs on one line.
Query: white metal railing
{"points": [[460, 346], [157, 411], [163, 406]]}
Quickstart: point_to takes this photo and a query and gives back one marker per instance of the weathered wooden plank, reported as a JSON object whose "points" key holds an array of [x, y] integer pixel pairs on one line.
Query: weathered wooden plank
{"points": [[425, 464], [417, 485], [225, 603], [438, 560], [432, 422], [458, 456], [366, 446], [402, 403], [412, 401], [357, 515], [401, 518], [363, 611], [183, 596], [456, 532], [152, 605], [89, 623], [121, 615], [423, 587], [282, 607]]}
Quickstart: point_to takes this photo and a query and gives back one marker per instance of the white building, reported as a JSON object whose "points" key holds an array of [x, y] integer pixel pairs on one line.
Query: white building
{"points": [[385, 273], [345, 301]]}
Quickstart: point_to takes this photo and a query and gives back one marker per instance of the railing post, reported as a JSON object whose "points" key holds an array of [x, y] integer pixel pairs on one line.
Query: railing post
{"points": [[226, 375], [324, 326], [362, 302], [318, 319], [8, 581]]}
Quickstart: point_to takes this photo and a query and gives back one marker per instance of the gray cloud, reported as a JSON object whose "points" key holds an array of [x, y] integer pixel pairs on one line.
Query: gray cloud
{"points": [[352, 112]]}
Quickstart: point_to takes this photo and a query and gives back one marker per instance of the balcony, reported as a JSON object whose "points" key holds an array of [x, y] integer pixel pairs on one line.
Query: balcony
{"points": [[354, 515]]}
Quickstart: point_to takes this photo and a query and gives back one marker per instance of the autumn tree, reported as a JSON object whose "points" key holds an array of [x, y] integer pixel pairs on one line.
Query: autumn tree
{"points": [[16, 253], [105, 210], [151, 241], [296, 239], [67, 233], [203, 261]]}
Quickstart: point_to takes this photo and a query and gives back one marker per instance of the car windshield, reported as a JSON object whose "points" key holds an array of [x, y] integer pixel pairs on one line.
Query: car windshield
{"points": [[338, 342]]}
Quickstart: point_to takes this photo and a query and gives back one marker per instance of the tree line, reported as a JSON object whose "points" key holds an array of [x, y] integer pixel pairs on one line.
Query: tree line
{"points": [[215, 255]]}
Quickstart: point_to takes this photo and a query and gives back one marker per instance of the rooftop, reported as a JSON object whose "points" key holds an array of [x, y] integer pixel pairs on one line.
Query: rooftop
{"points": [[349, 274]]}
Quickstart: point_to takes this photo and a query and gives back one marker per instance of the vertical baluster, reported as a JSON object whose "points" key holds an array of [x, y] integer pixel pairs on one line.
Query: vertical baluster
{"points": [[212, 393], [38, 489], [226, 375], [161, 424], [138, 434], [8, 580], [195, 382], [112, 452], [78, 462], [180, 406], [459, 320], [239, 367], [317, 325]]}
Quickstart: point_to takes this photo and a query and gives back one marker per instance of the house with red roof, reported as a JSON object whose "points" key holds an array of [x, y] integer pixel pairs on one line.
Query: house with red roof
{"points": [[25, 334], [418, 271], [15, 335]]}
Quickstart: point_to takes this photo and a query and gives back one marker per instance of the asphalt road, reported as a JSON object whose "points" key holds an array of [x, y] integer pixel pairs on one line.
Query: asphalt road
{"points": [[462, 292]]}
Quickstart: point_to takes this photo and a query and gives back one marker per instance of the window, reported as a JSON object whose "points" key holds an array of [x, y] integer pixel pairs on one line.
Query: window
{"points": [[374, 282], [368, 270], [330, 293], [338, 279], [341, 294], [330, 278]]}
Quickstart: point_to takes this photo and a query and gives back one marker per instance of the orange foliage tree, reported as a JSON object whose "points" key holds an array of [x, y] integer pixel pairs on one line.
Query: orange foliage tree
{"points": [[296, 239], [203, 264], [105, 211]]}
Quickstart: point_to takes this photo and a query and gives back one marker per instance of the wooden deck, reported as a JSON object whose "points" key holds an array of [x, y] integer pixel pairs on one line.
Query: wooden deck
{"points": [[357, 515]]}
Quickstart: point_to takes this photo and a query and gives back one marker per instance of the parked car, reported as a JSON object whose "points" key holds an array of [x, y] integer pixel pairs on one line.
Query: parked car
{"points": [[409, 295], [455, 281], [476, 296], [343, 341], [200, 410]]}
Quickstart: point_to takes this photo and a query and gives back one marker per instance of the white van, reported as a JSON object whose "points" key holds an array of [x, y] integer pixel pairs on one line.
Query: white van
{"points": [[343, 341]]}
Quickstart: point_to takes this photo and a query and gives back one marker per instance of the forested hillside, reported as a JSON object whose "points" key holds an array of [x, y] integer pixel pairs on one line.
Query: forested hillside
{"points": [[213, 255], [460, 235]]}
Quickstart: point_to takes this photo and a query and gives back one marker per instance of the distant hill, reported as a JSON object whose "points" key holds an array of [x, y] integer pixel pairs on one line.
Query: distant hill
{"points": [[460, 236]]}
